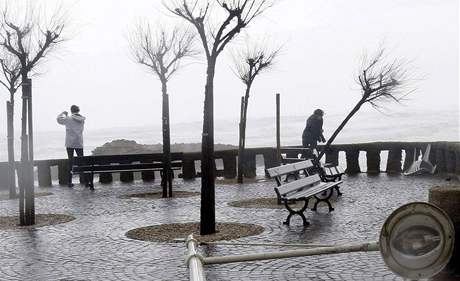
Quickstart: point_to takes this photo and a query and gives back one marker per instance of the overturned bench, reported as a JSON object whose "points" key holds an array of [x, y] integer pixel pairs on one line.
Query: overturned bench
{"points": [[103, 164], [301, 189]]}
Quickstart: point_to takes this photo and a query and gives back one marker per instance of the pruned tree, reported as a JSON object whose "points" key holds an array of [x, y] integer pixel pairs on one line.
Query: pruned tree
{"points": [[230, 17], [381, 81], [249, 63], [29, 39], [10, 67], [161, 52]]}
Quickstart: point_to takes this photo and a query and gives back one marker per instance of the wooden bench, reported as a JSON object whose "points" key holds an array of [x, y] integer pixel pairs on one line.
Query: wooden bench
{"points": [[90, 165], [301, 189], [327, 171]]}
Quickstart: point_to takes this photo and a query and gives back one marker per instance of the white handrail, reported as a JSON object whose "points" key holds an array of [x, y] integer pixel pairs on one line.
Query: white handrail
{"points": [[363, 247], [193, 260]]}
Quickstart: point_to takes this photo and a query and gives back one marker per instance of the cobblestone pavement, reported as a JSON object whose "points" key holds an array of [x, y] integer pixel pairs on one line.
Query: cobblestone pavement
{"points": [[94, 246]]}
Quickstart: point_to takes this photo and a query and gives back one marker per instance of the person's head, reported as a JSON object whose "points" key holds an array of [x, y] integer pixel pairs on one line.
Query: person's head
{"points": [[318, 112], [74, 109]]}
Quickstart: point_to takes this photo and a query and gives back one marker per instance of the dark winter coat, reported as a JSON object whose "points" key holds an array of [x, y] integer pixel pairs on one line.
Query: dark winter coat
{"points": [[313, 131]]}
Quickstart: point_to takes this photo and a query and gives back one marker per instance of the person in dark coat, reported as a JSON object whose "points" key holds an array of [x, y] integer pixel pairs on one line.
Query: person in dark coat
{"points": [[313, 132]]}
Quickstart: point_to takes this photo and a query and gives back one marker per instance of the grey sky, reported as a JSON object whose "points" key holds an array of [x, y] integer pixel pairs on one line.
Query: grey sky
{"points": [[323, 44]]}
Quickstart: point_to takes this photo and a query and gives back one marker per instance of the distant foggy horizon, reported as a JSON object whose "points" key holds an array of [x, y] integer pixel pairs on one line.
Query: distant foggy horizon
{"points": [[323, 42]]}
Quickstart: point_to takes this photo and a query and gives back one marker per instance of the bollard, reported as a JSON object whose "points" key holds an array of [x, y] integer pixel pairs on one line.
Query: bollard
{"points": [[409, 159], [63, 172], [441, 158], [332, 156], [394, 161], [271, 160], [188, 168], [373, 161], [229, 166], [44, 175], [450, 161], [352, 157], [249, 165], [5, 178]]}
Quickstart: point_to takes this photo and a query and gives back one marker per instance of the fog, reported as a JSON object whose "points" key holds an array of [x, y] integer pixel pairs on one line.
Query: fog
{"points": [[322, 46]]}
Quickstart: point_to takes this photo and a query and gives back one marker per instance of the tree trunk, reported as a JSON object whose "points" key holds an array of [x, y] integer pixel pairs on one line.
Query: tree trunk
{"points": [[166, 178], [342, 125], [208, 214], [243, 126], [10, 138], [26, 190], [240, 144]]}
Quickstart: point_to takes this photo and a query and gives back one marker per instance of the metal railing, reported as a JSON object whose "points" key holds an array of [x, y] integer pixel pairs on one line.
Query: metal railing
{"points": [[193, 260]]}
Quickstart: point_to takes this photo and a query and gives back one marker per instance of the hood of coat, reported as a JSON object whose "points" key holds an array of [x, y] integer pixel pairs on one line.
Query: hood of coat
{"points": [[77, 117]]}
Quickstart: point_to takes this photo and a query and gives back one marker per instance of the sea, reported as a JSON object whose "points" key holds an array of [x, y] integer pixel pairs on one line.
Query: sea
{"points": [[370, 126]]}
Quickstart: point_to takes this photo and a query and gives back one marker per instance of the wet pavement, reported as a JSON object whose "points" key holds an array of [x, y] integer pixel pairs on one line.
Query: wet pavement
{"points": [[94, 245]]}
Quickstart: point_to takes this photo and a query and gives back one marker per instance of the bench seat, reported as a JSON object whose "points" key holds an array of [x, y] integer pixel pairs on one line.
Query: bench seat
{"points": [[303, 190]]}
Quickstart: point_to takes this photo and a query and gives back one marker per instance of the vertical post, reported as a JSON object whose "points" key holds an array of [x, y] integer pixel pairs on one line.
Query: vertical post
{"points": [[373, 161], [352, 157], [240, 144], [44, 174], [167, 146], [278, 130], [11, 162], [26, 190], [394, 161], [30, 202]]}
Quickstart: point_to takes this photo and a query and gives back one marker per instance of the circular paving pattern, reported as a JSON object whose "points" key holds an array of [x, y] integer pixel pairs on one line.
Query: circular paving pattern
{"points": [[159, 195], [12, 222], [176, 231]]}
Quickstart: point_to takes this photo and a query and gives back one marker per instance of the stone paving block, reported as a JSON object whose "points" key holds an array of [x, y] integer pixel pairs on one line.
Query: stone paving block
{"points": [[94, 246]]}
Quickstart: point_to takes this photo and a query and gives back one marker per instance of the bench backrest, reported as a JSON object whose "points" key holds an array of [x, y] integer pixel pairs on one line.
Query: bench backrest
{"points": [[289, 168], [124, 158], [287, 188]]}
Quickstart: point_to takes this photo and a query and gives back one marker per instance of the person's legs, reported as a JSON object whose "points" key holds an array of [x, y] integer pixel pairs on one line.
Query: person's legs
{"points": [[70, 157]]}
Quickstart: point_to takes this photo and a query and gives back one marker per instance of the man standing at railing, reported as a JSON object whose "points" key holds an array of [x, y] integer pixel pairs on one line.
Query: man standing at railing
{"points": [[74, 125], [313, 132]]}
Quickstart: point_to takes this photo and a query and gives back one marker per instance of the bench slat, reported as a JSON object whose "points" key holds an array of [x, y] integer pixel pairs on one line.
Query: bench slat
{"points": [[308, 192], [122, 167], [289, 168], [297, 185], [124, 158]]}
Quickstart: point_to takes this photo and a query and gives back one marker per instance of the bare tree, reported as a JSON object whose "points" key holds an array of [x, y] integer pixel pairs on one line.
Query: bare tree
{"points": [[214, 35], [11, 73], [28, 38], [162, 52], [248, 65], [380, 82]]}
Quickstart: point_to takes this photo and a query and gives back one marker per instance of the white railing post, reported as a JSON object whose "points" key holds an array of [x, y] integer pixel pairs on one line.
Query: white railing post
{"points": [[193, 260]]}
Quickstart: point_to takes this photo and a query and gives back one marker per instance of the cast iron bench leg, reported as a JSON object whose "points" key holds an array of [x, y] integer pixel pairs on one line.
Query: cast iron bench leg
{"points": [[298, 212], [337, 188], [326, 199]]}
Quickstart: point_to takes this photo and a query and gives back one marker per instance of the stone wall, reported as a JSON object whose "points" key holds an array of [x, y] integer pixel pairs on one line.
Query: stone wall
{"points": [[446, 155]]}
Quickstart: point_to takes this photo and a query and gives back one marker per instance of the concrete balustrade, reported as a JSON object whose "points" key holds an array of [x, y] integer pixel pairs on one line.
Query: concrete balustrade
{"points": [[446, 155]]}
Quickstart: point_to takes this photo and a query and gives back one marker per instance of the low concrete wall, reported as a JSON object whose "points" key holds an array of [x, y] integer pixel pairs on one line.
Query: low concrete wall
{"points": [[446, 155]]}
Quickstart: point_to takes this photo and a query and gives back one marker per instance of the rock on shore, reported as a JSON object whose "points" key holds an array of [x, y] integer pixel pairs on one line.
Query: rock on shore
{"points": [[123, 146]]}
